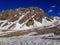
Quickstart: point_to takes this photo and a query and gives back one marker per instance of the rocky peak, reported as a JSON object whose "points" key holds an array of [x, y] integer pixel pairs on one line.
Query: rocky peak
{"points": [[24, 15]]}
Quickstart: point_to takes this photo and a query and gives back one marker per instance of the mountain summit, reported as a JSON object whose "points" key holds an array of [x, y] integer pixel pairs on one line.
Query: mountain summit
{"points": [[26, 19]]}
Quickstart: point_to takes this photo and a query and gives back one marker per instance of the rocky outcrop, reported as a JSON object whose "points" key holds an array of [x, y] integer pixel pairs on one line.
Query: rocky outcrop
{"points": [[14, 14]]}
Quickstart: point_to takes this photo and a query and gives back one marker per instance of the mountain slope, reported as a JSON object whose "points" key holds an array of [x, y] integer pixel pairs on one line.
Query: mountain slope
{"points": [[21, 19]]}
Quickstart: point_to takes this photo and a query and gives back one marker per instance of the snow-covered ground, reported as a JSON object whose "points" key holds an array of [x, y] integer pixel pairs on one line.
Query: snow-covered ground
{"points": [[23, 26], [29, 40]]}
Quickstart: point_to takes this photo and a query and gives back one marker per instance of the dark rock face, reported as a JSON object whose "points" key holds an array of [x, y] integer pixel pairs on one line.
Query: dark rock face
{"points": [[30, 22]]}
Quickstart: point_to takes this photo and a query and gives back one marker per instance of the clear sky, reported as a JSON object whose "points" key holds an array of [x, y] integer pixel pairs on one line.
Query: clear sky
{"points": [[52, 7]]}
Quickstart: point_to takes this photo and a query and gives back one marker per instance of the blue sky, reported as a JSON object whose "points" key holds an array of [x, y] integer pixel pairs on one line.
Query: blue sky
{"points": [[51, 7]]}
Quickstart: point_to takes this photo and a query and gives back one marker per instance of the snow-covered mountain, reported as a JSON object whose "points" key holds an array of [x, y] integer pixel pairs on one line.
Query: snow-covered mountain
{"points": [[26, 19]]}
